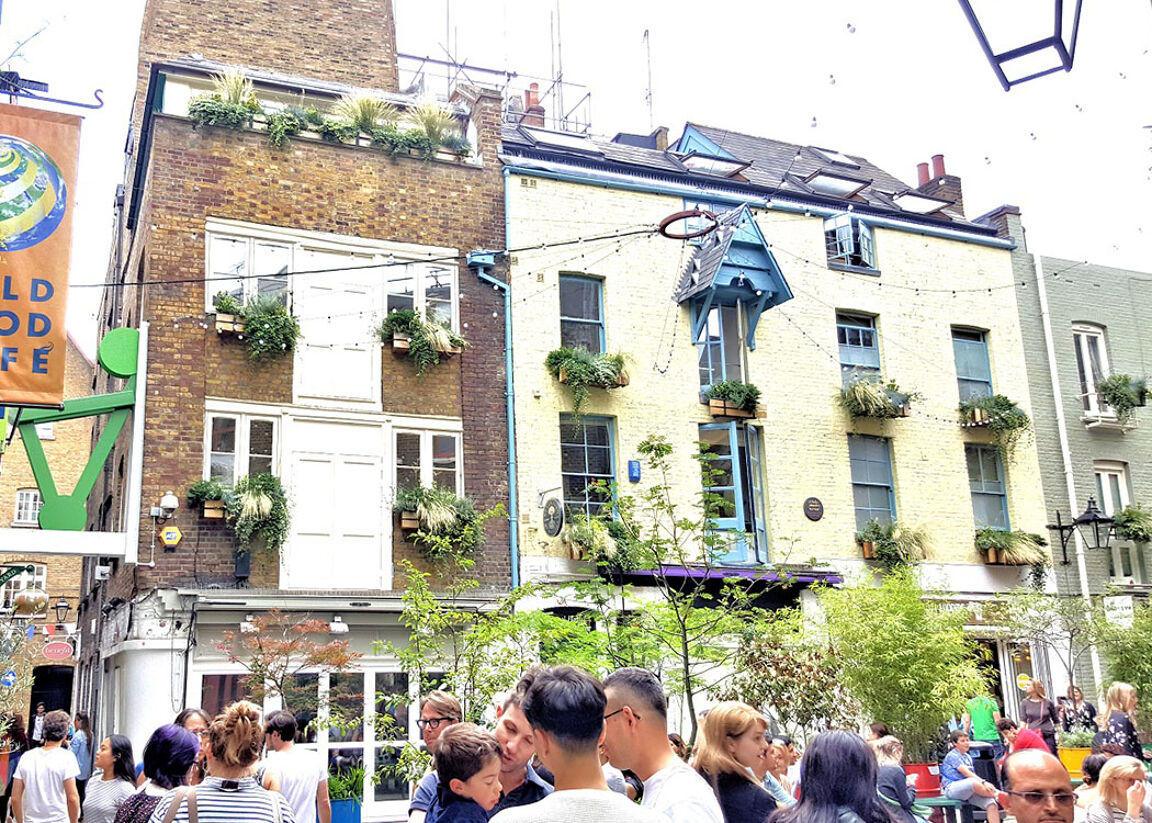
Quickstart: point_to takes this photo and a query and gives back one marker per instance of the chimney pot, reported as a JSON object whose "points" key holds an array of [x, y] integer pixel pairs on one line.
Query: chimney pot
{"points": [[532, 95], [922, 174], [938, 165]]}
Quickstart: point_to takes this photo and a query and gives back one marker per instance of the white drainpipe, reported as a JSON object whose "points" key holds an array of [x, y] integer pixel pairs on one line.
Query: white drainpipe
{"points": [[1065, 451]]}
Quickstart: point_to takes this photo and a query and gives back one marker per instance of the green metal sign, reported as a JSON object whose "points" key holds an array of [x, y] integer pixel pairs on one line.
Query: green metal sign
{"points": [[14, 571]]}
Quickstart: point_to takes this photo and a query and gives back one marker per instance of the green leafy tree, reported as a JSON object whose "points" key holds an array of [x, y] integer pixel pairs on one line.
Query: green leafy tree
{"points": [[905, 660], [1128, 650]]}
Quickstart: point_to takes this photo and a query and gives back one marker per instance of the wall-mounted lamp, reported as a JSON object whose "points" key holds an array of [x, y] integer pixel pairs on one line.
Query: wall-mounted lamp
{"points": [[1095, 529], [62, 608], [337, 626]]}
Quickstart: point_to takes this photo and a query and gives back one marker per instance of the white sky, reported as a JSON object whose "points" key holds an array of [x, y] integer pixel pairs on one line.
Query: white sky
{"points": [[1071, 149]]}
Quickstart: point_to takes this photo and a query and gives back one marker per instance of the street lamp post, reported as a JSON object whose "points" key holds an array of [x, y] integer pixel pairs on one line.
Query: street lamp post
{"points": [[1036, 57]]}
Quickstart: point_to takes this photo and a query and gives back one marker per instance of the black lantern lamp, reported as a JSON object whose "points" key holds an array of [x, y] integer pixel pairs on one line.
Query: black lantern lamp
{"points": [[62, 609], [1094, 526], [1030, 60]]}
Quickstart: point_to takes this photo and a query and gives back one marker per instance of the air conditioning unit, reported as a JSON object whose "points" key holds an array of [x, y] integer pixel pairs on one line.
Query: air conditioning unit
{"points": [[103, 572]]}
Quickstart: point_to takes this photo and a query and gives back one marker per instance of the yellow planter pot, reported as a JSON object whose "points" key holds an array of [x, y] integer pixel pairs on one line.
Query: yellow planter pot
{"points": [[1073, 759]]}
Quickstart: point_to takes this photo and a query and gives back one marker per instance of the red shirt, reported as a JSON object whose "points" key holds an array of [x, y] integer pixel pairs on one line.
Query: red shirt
{"points": [[1029, 739]]}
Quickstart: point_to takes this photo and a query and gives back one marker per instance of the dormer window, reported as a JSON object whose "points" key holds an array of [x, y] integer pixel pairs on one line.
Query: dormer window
{"points": [[849, 243]]}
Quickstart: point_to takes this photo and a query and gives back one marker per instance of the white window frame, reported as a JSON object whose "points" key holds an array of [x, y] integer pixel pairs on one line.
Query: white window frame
{"points": [[243, 433], [417, 260], [853, 238], [28, 503], [250, 283], [419, 273], [1092, 402], [426, 473], [22, 582], [1104, 471]]}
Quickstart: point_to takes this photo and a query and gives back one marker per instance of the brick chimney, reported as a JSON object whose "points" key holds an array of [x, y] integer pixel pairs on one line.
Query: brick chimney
{"points": [[940, 184], [533, 111]]}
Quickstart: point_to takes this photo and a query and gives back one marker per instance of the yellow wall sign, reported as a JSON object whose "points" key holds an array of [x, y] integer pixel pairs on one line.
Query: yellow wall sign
{"points": [[1023, 681], [171, 536]]}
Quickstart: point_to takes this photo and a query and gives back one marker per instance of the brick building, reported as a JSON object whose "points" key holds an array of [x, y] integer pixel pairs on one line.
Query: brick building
{"points": [[66, 447], [1082, 323], [822, 266], [344, 233]]}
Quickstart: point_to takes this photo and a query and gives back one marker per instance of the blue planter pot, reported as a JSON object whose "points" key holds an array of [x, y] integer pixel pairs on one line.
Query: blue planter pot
{"points": [[345, 811]]}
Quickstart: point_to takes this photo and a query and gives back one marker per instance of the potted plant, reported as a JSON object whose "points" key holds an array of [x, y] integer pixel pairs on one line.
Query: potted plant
{"points": [[891, 544], [271, 330], [209, 495], [732, 398], [229, 313], [1004, 419], [1123, 394], [867, 395], [345, 790], [257, 511], [446, 525], [1011, 548], [231, 103], [587, 537], [365, 112], [1133, 522], [422, 338], [581, 371], [1073, 747]]}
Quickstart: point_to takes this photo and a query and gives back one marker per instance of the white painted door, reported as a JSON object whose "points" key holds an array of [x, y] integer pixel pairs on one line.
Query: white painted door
{"points": [[337, 358], [339, 537]]}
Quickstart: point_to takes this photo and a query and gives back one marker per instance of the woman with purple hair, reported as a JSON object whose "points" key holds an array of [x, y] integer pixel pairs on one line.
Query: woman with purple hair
{"points": [[167, 758]]}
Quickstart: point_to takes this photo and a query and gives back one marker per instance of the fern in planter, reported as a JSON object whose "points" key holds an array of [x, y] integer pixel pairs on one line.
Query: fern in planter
{"points": [[204, 490], [581, 371], [1133, 522], [427, 339], [1122, 394], [1007, 421], [744, 396], [270, 330], [257, 509], [1013, 548], [225, 303], [450, 526], [867, 395]]}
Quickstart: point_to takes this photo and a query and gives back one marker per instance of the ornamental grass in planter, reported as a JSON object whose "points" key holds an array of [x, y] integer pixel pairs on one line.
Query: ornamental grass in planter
{"points": [[868, 395], [230, 104], [1133, 522], [1007, 422], [581, 371], [1011, 548], [892, 544], [733, 398], [447, 525], [1123, 394], [422, 338], [257, 511]]}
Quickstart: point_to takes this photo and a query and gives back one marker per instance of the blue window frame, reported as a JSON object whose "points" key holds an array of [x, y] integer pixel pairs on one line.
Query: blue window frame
{"points": [[989, 492], [973, 371], [587, 458], [849, 242], [582, 312], [734, 472], [872, 489], [721, 345], [859, 344]]}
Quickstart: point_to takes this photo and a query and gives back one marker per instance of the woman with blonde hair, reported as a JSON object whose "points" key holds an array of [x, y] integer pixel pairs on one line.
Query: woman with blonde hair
{"points": [[891, 781], [1117, 724], [1039, 713], [230, 793], [1122, 793], [732, 758]]}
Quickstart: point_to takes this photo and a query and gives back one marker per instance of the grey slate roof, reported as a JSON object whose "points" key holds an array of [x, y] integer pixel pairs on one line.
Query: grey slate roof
{"points": [[707, 258], [775, 167]]}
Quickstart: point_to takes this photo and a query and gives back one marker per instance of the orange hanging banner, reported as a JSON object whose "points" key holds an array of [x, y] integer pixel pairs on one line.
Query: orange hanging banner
{"points": [[39, 151]]}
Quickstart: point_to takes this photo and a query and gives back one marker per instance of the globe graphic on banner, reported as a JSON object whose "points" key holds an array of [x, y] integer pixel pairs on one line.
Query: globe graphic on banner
{"points": [[33, 196]]}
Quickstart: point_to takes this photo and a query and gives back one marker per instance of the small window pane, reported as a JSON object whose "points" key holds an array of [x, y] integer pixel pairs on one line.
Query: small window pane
{"points": [[401, 293], [219, 690], [580, 298], [302, 698], [273, 262], [228, 261], [580, 336], [346, 707], [260, 439], [408, 450], [222, 468], [438, 295], [407, 479], [223, 434]]}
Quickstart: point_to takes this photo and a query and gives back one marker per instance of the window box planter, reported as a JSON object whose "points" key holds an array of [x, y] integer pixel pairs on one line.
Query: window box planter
{"points": [[1000, 547], [868, 395], [229, 324], [724, 408], [409, 521], [978, 417], [622, 379], [213, 510], [402, 344], [867, 549]]}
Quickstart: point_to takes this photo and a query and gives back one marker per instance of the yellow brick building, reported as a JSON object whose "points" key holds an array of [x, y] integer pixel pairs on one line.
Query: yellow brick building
{"points": [[67, 445], [922, 287]]}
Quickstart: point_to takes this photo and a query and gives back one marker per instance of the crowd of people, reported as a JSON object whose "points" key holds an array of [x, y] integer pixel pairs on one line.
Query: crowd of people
{"points": [[567, 746]]}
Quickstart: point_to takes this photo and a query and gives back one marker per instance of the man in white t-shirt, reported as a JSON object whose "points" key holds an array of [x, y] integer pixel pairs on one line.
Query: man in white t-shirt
{"points": [[636, 737], [44, 786], [301, 776], [565, 707]]}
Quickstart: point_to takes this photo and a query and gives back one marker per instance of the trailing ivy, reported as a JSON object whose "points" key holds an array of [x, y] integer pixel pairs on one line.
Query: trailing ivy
{"points": [[285, 124], [269, 329], [1134, 522], [450, 526], [581, 371], [258, 508], [427, 339], [210, 110], [1122, 394]]}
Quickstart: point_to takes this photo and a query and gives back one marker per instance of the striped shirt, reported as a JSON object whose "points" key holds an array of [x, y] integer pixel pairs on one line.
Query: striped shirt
{"points": [[104, 798], [229, 801]]}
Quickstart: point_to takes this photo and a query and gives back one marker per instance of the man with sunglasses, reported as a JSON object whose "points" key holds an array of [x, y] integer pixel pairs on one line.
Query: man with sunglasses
{"points": [[438, 711], [1037, 788]]}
